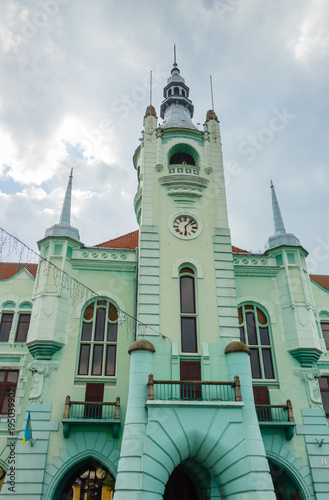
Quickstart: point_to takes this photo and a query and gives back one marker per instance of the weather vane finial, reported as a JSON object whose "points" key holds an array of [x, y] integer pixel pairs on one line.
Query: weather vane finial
{"points": [[175, 62]]}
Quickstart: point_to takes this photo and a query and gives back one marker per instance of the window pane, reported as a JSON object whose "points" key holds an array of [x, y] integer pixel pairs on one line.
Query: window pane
{"points": [[97, 360], [100, 324], [6, 321], [251, 328], [264, 336], [249, 308], [110, 360], [242, 334], [186, 270], [188, 326], [89, 312], [12, 376], [2, 375], [240, 315], [187, 294], [23, 327], [86, 331], [261, 317], [324, 382], [112, 332], [325, 331], [84, 359], [268, 364], [255, 364], [113, 313]]}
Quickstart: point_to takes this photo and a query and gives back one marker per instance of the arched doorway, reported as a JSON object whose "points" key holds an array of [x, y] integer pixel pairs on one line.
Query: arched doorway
{"points": [[180, 487], [89, 480], [285, 486]]}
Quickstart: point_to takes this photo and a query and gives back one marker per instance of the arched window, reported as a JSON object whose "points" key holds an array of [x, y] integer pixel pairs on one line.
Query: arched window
{"points": [[181, 158], [169, 92], [188, 310], [7, 317], [324, 319], [23, 322], [176, 91], [183, 93], [255, 332], [98, 342]]}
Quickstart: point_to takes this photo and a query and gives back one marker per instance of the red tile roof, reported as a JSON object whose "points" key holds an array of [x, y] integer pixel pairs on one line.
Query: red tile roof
{"points": [[9, 269], [321, 279], [127, 241], [130, 241]]}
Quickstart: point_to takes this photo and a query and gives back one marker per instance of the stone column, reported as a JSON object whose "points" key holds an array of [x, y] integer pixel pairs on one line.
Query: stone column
{"points": [[257, 480], [129, 482]]}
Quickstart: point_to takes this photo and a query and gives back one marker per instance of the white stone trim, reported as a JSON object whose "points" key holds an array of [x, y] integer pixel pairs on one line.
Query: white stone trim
{"points": [[187, 260]]}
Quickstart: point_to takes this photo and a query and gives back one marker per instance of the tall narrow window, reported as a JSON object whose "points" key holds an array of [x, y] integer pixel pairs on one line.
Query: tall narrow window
{"points": [[188, 310], [324, 388], [255, 332], [99, 337], [22, 327], [325, 332], [5, 326], [8, 383]]}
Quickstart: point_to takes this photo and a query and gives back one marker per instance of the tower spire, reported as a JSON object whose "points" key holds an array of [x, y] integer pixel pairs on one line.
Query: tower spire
{"points": [[277, 216], [281, 237], [65, 217], [176, 108], [64, 228]]}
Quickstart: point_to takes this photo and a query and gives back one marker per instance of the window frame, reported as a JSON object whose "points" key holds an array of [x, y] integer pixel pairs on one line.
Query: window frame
{"points": [[258, 347], [107, 346], [326, 390], [20, 314], [3, 314], [326, 340], [187, 271], [5, 386]]}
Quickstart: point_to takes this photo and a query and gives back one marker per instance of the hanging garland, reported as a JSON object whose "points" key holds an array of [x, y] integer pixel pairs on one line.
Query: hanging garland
{"points": [[10, 247]]}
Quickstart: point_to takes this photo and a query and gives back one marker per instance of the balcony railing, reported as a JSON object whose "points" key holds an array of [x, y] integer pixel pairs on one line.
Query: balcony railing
{"points": [[179, 390], [277, 416], [83, 412]]}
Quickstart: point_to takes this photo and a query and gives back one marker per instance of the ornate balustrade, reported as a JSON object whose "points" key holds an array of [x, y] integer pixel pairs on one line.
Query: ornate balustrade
{"points": [[91, 413], [277, 416], [178, 390]]}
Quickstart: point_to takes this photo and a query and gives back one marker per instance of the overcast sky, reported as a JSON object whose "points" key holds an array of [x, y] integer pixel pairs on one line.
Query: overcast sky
{"points": [[74, 88]]}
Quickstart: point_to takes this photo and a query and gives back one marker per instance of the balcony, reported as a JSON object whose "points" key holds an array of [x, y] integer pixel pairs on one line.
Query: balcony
{"points": [[179, 390], [277, 416], [91, 413]]}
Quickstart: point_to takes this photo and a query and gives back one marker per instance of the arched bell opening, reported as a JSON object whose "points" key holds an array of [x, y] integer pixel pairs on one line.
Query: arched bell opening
{"points": [[286, 487], [183, 154], [87, 480]]}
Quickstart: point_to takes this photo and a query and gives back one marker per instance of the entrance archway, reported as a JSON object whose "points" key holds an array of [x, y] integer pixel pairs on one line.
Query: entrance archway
{"points": [[180, 487], [88, 480], [285, 487]]}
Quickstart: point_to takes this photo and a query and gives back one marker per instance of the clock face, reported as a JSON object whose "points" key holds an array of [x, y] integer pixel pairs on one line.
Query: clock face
{"points": [[185, 225]]}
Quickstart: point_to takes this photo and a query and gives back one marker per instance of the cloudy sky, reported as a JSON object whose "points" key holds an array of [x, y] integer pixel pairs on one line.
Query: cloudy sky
{"points": [[74, 87]]}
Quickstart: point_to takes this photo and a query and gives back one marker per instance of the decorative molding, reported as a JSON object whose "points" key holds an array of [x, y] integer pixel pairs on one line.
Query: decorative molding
{"points": [[256, 271], [44, 349], [41, 370], [306, 356], [183, 169], [208, 170], [309, 378], [181, 184], [187, 260], [158, 167]]}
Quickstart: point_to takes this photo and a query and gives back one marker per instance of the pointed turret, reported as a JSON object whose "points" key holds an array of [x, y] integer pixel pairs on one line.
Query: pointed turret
{"points": [[64, 228], [281, 237], [176, 108]]}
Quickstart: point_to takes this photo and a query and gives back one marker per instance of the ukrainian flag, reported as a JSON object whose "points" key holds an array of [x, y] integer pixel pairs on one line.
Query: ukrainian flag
{"points": [[28, 429]]}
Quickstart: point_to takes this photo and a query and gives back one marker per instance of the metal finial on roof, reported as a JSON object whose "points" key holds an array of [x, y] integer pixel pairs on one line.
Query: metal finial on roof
{"points": [[277, 216], [280, 237], [65, 217], [175, 62]]}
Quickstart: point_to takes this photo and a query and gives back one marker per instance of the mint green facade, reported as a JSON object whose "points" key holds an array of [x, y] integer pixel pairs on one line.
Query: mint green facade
{"points": [[223, 447]]}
